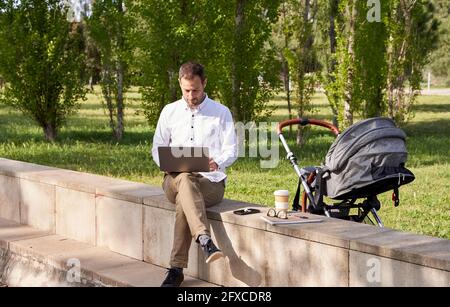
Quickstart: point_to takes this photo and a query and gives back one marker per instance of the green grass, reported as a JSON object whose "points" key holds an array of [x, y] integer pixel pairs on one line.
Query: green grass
{"points": [[85, 144]]}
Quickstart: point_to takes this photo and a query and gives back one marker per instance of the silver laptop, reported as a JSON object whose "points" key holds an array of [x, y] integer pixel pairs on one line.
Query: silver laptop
{"points": [[183, 159]]}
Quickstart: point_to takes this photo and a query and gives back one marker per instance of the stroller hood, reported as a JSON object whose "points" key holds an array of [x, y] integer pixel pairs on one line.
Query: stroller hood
{"points": [[368, 158]]}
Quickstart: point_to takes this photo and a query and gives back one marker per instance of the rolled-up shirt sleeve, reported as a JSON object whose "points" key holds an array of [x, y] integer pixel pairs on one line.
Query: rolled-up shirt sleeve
{"points": [[161, 136], [228, 140]]}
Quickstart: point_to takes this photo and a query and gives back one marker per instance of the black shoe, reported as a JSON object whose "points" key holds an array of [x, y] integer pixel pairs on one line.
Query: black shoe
{"points": [[174, 278], [211, 251]]}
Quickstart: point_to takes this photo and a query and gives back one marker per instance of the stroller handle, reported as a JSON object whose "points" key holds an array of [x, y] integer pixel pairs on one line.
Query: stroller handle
{"points": [[307, 121]]}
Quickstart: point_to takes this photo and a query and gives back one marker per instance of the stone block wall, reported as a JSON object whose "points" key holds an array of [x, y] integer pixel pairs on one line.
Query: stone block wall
{"points": [[136, 220]]}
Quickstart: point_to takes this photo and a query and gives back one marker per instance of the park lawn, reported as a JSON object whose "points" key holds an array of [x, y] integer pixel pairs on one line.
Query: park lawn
{"points": [[85, 144]]}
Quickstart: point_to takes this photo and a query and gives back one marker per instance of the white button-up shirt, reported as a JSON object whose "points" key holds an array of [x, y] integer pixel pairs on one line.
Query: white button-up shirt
{"points": [[209, 125]]}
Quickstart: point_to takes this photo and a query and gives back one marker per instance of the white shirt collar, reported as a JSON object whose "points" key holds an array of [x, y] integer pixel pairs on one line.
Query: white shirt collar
{"points": [[200, 107]]}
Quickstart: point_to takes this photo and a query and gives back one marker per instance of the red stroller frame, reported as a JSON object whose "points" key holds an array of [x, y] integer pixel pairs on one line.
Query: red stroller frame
{"points": [[307, 177]]}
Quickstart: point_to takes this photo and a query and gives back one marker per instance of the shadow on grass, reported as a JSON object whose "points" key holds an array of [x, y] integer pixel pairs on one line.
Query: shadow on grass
{"points": [[18, 128], [311, 153], [435, 108], [108, 161], [439, 128], [72, 137], [98, 105], [7, 117], [428, 142], [104, 137]]}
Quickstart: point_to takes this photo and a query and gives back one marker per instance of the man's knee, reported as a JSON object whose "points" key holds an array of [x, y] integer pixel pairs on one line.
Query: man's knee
{"points": [[185, 178]]}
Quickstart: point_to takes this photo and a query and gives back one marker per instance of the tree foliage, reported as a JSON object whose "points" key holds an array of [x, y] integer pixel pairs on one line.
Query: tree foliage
{"points": [[299, 25], [413, 34], [367, 55], [228, 39], [169, 33], [375, 60], [282, 40], [110, 28], [41, 54], [249, 70], [326, 46], [440, 61]]}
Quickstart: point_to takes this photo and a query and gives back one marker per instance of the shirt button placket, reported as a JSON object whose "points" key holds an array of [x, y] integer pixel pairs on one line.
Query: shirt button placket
{"points": [[192, 128]]}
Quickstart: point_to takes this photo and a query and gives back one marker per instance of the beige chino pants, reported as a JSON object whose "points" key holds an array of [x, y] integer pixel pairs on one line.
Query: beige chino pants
{"points": [[192, 194]]}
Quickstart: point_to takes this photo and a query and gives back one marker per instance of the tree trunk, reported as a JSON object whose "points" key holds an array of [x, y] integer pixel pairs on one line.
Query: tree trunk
{"points": [[286, 81], [118, 132], [401, 105], [306, 41], [91, 83], [390, 78], [106, 85], [235, 82], [351, 12], [285, 70], [334, 4], [50, 132], [396, 61], [301, 111], [173, 82], [332, 30]]}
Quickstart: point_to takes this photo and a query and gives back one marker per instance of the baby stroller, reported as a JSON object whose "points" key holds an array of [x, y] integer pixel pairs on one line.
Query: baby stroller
{"points": [[367, 159]]}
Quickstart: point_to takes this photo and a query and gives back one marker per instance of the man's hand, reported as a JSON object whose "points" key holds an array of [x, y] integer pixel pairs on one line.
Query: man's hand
{"points": [[213, 165]]}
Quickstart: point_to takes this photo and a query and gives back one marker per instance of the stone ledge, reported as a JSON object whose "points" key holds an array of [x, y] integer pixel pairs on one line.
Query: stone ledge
{"points": [[114, 204], [43, 253], [408, 247], [418, 249], [79, 181], [131, 191], [387, 272], [330, 231]]}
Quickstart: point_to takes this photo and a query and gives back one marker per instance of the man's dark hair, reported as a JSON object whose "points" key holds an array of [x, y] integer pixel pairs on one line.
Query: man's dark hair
{"points": [[191, 69]]}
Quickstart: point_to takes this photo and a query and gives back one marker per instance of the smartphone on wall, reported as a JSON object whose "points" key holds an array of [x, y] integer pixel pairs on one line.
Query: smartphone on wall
{"points": [[246, 211]]}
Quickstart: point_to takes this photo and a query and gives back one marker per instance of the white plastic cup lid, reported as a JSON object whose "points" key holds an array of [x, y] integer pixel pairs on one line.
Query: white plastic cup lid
{"points": [[281, 193]]}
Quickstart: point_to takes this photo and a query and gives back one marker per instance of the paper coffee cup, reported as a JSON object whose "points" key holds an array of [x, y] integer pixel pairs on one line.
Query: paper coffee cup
{"points": [[281, 205], [281, 196]]}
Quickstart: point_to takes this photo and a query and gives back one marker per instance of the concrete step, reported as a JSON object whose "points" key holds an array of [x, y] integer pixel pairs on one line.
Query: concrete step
{"points": [[30, 257]]}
